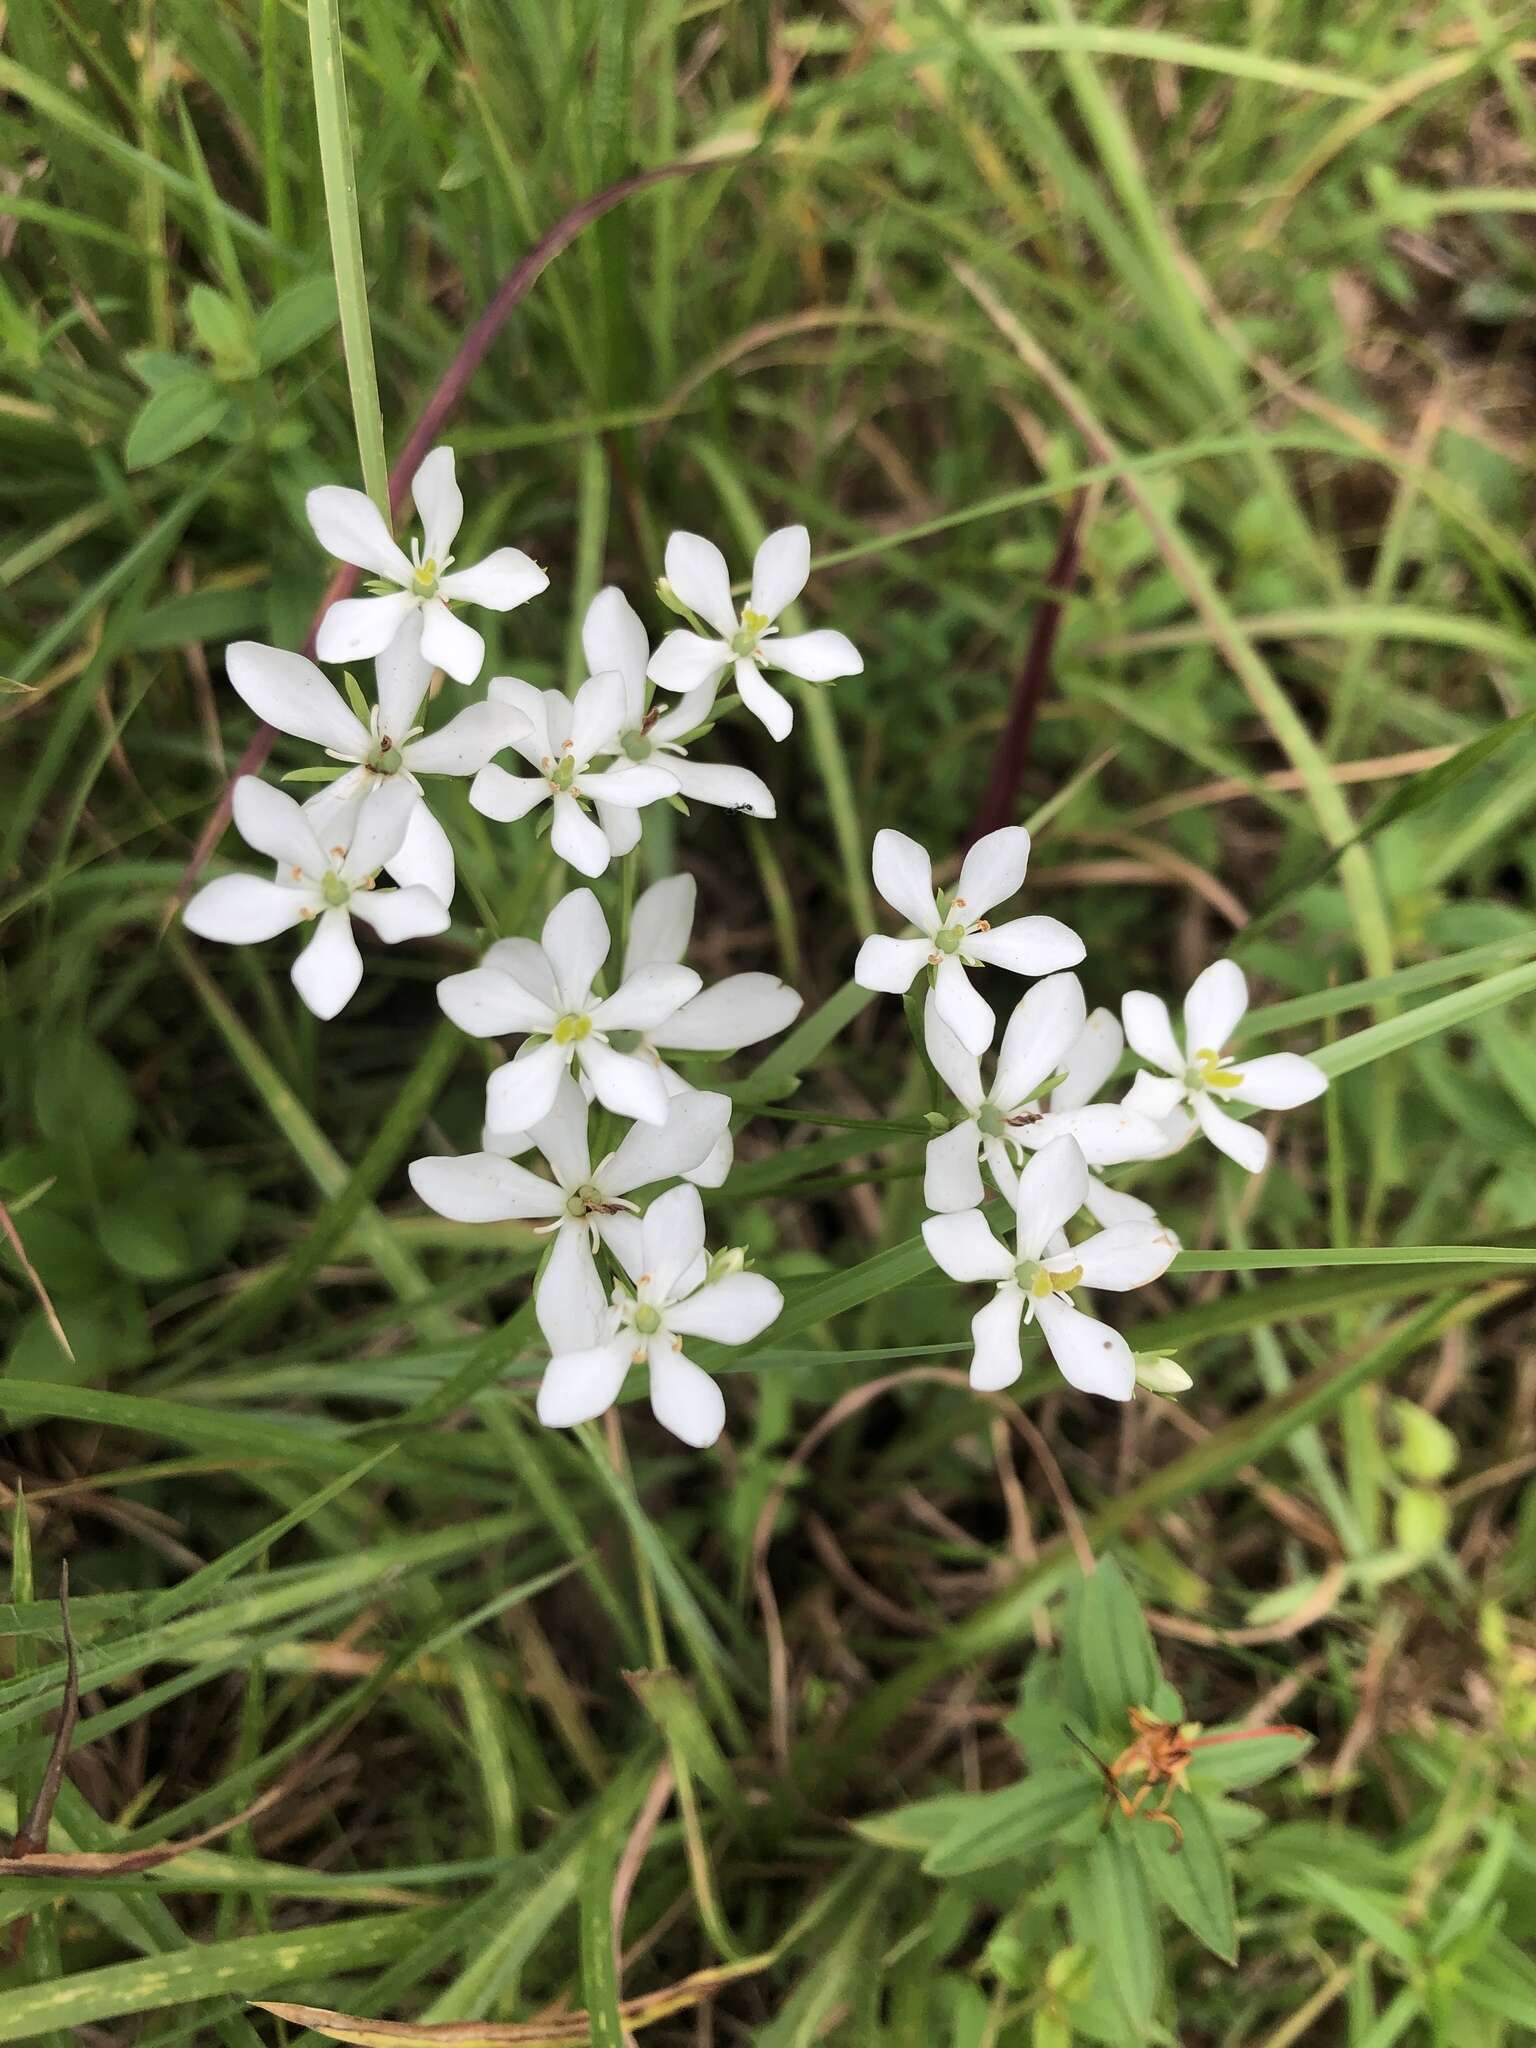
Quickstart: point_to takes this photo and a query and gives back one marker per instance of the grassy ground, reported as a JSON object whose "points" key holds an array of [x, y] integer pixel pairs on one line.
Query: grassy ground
{"points": [[1277, 288]]}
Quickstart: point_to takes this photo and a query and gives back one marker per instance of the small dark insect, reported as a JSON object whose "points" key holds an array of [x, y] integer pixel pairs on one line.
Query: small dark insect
{"points": [[1159, 1753]]}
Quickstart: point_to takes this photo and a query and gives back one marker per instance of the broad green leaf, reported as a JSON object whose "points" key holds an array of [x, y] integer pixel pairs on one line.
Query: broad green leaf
{"points": [[80, 1094], [1114, 1916], [1192, 1879], [294, 319], [1228, 1766], [174, 418], [1107, 1640], [220, 327], [1015, 1822], [925, 1823]]}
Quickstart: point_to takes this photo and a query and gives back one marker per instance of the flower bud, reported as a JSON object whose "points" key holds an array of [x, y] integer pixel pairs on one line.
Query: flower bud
{"points": [[729, 1259], [1160, 1374]]}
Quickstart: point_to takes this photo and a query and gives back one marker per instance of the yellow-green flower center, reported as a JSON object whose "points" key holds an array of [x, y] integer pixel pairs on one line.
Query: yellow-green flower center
{"points": [[647, 1320], [1209, 1072], [336, 890], [563, 774], [1040, 1282], [572, 1028], [948, 938], [989, 1120], [747, 635], [424, 578]]}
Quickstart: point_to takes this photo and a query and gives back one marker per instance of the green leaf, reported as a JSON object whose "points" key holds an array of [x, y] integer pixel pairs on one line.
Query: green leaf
{"points": [[1228, 1766], [174, 418], [155, 368], [1193, 1880], [1113, 1915], [1427, 1021], [1421, 1520], [1109, 1643], [79, 1093], [294, 319], [220, 327], [362, 711], [144, 1237], [1426, 1450], [1015, 1822], [924, 1824]]}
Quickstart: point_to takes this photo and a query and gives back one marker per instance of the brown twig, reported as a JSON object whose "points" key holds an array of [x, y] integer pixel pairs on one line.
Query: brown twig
{"points": [[34, 1280], [28, 1841]]}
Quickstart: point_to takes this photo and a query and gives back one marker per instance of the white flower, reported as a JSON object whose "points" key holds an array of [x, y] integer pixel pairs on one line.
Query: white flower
{"points": [[1035, 1280], [563, 737], [959, 936], [614, 641], [583, 1203], [679, 1292], [390, 750], [349, 525], [327, 886], [545, 990], [1195, 1078], [738, 1011], [697, 572], [1047, 1034]]}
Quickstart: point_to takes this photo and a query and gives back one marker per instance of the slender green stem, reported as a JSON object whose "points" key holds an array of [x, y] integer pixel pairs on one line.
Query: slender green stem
{"points": [[340, 178]]}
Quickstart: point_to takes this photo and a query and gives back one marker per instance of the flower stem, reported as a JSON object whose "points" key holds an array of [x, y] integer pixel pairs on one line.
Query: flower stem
{"points": [[337, 169]]}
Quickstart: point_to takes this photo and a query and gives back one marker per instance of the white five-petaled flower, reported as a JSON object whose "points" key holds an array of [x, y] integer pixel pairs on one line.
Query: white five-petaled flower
{"points": [[613, 638], [697, 573], [1048, 1034], [563, 738], [1196, 1077], [546, 991], [324, 885], [958, 935], [390, 750], [738, 1011], [1035, 1279], [583, 1204], [678, 1292], [351, 526]]}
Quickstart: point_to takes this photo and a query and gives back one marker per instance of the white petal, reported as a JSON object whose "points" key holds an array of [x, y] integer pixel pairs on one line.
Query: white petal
{"points": [[1214, 1007], [1155, 1096], [1149, 1032], [575, 943], [697, 571], [1109, 1133], [672, 1240], [270, 822], [1091, 1059], [903, 874], [468, 741], [289, 692], [1125, 1255], [629, 784], [766, 703], [613, 637], [439, 504], [690, 711], [379, 828], [992, 871], [482, 1188], [620, 1232], [715, 782], [684, 1399], [1037, 1037], [449, 644], [397, 914], [779, 571], [951, 1172], [504, 580], [713, 1170], [687, 661], [661, 923], [401, 674], [578, 840], [562, 1135], [425, 857], [597, 715], [967, 1014], [959, 1070], [1028, 945], [522, 1092], [737, 1011], [646, 998], [535, 745], [328, 970], [1280, 1080], [996, 1363], [620, 827], [579, 1385], [524, 960], [359, 628], [488, 1003], [621, 1082], [242, 910], [818, 657], [1089, 1355], [731, 1311], [1245, 1143], [891, 965], [350, 526], [964, 1248], [1108, 1206], [506, 798], [568, 1295], [696, 1121], [1051, 1191]]}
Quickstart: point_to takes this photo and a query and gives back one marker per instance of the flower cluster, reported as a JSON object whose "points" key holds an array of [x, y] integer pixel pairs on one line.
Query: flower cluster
{"points": [[1035, 1129], [625, 1278]]}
